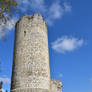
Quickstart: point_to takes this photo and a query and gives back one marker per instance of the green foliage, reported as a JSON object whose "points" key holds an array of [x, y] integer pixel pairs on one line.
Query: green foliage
{"points": [[8, 6]]}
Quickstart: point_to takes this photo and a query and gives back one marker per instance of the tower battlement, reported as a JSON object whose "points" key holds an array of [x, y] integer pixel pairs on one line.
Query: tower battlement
{"points": [[31, 72]]}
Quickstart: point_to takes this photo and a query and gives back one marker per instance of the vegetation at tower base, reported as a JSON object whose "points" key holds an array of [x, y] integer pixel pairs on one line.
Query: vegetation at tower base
{"points": [[31, 71]]}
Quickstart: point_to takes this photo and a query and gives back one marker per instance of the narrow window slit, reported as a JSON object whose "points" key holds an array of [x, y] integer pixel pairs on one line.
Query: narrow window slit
{"points": [[24, 33]]}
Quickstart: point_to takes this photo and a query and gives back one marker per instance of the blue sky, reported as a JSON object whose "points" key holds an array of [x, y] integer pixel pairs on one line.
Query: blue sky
{"points": [[70, 41]]}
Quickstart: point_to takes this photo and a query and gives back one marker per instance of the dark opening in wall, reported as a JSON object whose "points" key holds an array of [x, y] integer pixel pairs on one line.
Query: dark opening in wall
{"points": [[24, 33]]}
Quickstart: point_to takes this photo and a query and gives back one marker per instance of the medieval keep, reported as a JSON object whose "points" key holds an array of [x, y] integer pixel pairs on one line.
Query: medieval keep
{"points": [[31, 71]]}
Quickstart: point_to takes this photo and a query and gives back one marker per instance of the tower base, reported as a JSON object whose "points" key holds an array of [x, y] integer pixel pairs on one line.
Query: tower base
{"points": [[30, 90]]}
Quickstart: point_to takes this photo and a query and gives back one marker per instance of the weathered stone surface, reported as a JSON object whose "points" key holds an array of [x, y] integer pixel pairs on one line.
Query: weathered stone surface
{"points": [[31, 72], [56, 86], [31, 57], [30, 90]]}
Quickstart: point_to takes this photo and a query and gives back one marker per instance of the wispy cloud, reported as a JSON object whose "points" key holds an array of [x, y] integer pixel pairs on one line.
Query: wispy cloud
{"points": [[67, 7], [67, 44], [2, 90], [56, 11], [7, 26], [50, 12], [60, 75], [5, 80], [29, 5]]}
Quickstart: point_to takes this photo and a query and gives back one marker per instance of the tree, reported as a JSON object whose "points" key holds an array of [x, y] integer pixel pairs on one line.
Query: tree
{"points": [[7, 7]]}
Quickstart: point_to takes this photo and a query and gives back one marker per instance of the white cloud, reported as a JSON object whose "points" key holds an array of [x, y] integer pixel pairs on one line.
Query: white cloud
{"points": [[7, 26], [6, 23], [38, 5], [29, 5], [60, 75], [5, 80], [55, 11], [67, 44], [2, 90], [50, 12], [67, 7]]}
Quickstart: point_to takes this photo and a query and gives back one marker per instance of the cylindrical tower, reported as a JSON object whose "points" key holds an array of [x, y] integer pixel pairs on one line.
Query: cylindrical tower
{"points": [[31, 71]]}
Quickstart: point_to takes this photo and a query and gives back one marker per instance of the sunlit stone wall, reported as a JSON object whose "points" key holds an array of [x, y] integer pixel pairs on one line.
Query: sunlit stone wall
{"points": [[31, 71]]}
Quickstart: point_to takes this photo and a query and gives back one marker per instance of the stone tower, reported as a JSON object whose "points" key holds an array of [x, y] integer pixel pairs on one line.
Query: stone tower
{"points": [[31, 71]]}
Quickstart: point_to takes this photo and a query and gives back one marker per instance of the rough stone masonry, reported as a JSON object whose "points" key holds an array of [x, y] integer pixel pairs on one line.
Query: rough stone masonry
{"points": [[31, 72]]}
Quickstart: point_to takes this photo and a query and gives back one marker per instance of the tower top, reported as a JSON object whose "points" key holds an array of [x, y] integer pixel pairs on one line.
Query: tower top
{"points": [[38, 15], [36, 18]]}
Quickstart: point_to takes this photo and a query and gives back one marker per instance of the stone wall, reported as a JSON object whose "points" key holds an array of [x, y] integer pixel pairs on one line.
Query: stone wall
{"points": [[31, 72], [31, 57]]}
